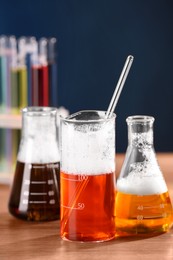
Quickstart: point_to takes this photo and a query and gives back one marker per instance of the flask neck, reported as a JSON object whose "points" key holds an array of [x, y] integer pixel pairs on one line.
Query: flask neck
{"points": [[39, 121], [39, 143], [140, 131]]}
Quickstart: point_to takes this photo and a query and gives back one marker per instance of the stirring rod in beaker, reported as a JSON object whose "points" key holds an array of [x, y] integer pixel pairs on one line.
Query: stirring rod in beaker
{"points": [[119, 86]]}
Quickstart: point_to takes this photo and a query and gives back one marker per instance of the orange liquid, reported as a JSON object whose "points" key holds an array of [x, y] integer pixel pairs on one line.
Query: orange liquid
{"points": [[143, 215], [87, 207]]}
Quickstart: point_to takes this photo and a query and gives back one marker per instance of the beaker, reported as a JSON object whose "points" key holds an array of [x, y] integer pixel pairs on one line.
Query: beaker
{"points": [[143, 205], [36, 185], [87, 174]]}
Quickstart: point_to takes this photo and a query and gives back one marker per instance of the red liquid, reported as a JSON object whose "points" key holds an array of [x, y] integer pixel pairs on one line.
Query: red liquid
{"points": [[35, 86], [87, 207], [40, 86]]}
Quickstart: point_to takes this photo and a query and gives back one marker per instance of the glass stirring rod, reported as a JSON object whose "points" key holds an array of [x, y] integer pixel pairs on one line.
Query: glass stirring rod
{"points": [[119, 86]]}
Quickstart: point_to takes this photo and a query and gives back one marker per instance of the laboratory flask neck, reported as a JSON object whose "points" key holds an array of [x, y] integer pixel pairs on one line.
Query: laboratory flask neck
{"points": [[140, 131], [39, 140], [39, 121]]}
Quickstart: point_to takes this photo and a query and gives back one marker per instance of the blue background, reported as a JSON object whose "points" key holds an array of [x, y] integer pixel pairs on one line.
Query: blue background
{"points": [[94, 39]]}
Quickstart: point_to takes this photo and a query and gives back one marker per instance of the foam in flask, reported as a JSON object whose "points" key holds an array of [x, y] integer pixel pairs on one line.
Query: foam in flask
{"points": [[143, 205]]}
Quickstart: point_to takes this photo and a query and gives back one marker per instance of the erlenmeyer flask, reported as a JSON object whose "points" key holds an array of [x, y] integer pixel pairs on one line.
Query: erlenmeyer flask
{"points": [[35, 189], [143, 205]]}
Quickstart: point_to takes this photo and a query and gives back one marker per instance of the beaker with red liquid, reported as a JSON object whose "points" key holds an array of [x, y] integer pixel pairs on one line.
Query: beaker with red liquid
{"points": [[87, 175]]}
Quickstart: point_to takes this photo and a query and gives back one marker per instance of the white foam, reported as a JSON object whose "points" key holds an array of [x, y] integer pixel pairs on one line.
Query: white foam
{"points": [[144, 182], [39, 142], [86, 150]]}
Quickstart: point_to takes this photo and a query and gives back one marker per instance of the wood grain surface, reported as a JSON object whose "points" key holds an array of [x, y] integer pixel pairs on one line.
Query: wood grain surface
{"points": [[24, 240]]}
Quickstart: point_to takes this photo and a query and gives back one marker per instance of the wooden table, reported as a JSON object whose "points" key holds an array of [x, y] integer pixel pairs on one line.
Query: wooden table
{"points": [[25, 240]]}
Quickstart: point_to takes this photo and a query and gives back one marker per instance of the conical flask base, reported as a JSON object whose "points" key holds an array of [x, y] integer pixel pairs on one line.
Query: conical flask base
{"points": [[143, 215]]}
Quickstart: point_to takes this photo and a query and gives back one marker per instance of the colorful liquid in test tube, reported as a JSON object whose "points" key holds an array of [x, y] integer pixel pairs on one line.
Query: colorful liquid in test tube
{"points": [[43, 74], [18, 88], [22, 75], [40, 93], [40, 76], [14, 78], [53, 70], [10, 52], [2, 98], [3, 72], [28, 47]]}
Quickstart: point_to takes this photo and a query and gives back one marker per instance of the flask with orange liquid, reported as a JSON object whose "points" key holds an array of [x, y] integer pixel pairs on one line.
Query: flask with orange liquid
{"points": [[143, 205]]}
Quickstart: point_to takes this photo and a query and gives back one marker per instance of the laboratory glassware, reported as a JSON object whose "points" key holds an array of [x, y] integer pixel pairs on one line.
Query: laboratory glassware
{"points": [[87, 175], [143, 205], [35, 189]]}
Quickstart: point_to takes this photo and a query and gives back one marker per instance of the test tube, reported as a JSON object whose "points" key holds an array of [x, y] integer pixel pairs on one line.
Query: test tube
{"points": [[43, 73], [8, 132], [8, 57], [40, 81], [34, 77], [18, 83], [52, 67], [14, 79], [3, 72], [28, 47], [22, 74]]}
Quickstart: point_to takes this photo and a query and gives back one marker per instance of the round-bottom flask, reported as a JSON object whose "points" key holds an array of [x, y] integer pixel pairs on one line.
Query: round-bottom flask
{"points": [[143, 205], [36, 185]]}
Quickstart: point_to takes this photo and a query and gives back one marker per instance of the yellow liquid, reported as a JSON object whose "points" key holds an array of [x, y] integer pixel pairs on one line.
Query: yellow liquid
{"points": [[23, 95], [18, 89], [143, 214], [14, 91]]}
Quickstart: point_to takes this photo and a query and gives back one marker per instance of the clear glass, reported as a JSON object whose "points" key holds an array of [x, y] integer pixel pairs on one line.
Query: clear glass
{"points": [[36, 185], [143, 205], [87, 175]]}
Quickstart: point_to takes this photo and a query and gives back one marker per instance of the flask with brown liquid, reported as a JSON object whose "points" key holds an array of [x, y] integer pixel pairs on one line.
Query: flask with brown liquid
{"points": [[36, 186], [143, 205]]}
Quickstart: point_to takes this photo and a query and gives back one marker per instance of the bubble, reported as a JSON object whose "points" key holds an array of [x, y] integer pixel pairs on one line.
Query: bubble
{"points": [[88, 148], [144, 179], [39, 142], [143, 141]]}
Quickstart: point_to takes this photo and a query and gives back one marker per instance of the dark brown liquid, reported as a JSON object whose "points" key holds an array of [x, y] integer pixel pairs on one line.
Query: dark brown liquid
{"points": [[35, 193]]}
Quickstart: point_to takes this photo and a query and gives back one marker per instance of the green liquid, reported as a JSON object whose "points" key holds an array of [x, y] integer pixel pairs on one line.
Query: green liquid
{"points": [[3, 82]]}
